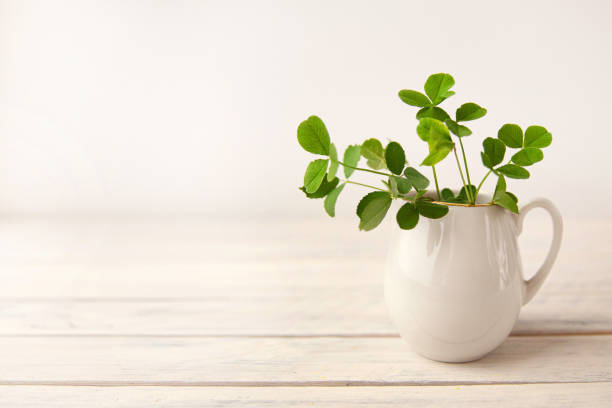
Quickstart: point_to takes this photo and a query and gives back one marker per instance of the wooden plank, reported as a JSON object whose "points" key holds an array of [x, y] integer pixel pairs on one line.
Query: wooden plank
{"points": [[109, 297], [190, 277], [172, 280], [145, 242], [292, 361], [53, 240], [278, 311], [527, 395]]}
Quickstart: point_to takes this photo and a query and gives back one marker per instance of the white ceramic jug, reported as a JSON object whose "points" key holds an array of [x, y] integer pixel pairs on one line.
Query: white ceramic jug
{"points": [[454, 286]]}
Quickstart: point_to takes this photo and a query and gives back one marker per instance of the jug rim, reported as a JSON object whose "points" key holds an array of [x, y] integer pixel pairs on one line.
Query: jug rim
{"points": [[484, 200]]}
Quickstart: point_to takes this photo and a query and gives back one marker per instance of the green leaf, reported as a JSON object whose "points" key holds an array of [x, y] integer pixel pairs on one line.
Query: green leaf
{"points": [[437, 154], [315, 172], [457, 129], [407, 217], [395, 157], [323, 190], [416, 179], [313, 137], [330, 201], [537, 136], [392, 185], [372, 209], [333, 165], [375, 164], [470, 111], [506, 201], [462, 196], [528, 156], [500, 187], [436, 134], [414, 98], [485, 160], [513, 171], [438, 86], [494, 150], [430, 129], [447, 194], [433, 112], [461, 200], [430, 210], [351, 158], [372, 150], [511, 135], [515, 198], [403, 185]]}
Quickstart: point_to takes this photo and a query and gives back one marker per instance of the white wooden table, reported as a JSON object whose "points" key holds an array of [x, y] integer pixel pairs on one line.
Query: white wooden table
{"points": [[181, 312]]}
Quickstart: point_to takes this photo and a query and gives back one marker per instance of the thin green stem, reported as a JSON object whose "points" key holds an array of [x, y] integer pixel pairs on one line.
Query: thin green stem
{"points": [[482, 182], [467, 190], [436, 180], [368, 170], [364, 185], [487, 175], [467, 172]]}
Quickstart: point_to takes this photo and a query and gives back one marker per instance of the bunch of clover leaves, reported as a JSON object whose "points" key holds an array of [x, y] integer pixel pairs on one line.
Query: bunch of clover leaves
{"points": [[407, 183]]}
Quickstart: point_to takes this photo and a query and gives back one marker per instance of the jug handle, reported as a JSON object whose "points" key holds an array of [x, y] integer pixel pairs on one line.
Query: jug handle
{"points": [[532, 285]]}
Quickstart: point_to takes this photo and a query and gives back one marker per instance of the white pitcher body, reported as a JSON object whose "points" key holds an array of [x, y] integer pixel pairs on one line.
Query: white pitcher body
{"points": [[454, 286]]}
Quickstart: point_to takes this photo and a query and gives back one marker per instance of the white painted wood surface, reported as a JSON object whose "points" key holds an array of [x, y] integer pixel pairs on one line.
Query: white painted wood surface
{"points": [[473, 396], [272, 313], [300, 361]]}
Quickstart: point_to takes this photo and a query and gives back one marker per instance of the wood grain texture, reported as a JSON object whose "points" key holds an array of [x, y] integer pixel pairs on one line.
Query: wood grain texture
{"points": [[33, 243], [193, 312], [108, 277], [593, 395], [292, 361], [324, 311]]}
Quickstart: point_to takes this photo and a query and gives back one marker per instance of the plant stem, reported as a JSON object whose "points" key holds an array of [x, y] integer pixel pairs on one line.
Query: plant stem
{"points": [[482, 182], [467, 190], [436, 180], [487, 175], [359, 168], [364, 185], [467, 172]]}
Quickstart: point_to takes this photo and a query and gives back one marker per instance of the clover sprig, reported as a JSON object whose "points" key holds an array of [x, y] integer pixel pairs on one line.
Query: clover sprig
{"points": [[407, 183]]}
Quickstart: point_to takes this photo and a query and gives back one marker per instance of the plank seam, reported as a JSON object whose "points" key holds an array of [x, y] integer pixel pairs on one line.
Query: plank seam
{"points": [[273, 336], [240, 384]]}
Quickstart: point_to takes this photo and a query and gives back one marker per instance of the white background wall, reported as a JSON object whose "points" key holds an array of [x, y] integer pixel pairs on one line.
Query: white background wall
{"points": [[192, 107]]}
